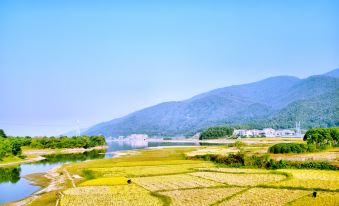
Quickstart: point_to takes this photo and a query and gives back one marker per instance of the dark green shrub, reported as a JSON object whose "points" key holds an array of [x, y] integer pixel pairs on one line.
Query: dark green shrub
{"points": [[88, 174], [291, 148], [239, 160]]}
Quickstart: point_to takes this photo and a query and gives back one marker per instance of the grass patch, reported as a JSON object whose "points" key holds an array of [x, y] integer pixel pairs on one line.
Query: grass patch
{"points": [[38, 179], [88, 174]]}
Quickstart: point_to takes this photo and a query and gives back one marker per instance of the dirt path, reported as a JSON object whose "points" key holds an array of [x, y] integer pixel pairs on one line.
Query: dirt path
{"points": [[69, 177]]}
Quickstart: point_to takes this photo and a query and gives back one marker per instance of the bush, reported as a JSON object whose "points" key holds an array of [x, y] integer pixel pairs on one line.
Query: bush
{"points": [[240, 160], [291, 148]]}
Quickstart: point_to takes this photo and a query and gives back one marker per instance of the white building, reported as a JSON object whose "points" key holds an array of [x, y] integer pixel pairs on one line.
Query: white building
{"points": [[269, 132], [284, 133], [137, 137]]}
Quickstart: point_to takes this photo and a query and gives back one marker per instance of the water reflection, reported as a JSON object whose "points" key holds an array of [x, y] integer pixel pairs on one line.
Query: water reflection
{"points": [[10, 174], [76, 157]]}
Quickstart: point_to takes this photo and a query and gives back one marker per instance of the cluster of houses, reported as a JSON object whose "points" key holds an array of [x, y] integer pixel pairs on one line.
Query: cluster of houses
{"points": [[267, 132]]}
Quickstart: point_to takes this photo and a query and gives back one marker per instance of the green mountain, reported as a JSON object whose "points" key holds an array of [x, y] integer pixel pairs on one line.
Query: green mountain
{"points": [[277, 102]]}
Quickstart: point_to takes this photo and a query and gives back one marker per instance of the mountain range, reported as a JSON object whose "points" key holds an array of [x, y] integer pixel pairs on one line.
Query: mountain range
{"points": [[276, 102]]}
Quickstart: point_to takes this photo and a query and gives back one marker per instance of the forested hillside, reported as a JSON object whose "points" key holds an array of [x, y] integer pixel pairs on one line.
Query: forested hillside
{"points": [[276, 102]]}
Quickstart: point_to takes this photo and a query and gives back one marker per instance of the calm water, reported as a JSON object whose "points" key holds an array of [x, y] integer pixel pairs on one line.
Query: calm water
{"points": [[14, 187]]}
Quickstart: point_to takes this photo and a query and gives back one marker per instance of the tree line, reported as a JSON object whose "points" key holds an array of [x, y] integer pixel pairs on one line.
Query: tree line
{"points": [[216, 132], [11, 146], [317, 139]]}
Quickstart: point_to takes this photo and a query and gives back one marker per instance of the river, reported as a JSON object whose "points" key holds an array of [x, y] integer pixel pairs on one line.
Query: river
{"points": [[14, 187]]}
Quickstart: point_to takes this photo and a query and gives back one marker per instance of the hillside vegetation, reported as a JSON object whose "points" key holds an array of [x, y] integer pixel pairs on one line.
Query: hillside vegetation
{"points": [[276, 102]]}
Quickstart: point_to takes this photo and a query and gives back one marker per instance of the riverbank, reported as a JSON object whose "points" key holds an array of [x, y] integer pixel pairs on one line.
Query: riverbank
{"points": [[35, 155]]}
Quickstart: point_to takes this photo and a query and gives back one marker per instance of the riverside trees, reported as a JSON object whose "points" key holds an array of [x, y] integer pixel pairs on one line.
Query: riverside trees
{"points": [[11, 146]]}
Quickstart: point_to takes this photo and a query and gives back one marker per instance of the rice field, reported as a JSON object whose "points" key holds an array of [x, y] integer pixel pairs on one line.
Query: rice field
{"points": [[235, 170], [323, 198], [312, 179], [138, 171], [265, 197], [201, 197], [213, 150], [165, 178], [106, 181], [240, 179], [173, 182], [122, 195], [156, 163]]}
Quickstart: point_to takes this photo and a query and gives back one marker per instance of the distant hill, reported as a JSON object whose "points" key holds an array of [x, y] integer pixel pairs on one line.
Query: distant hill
{"points": [[333, 73], [276, 102]]}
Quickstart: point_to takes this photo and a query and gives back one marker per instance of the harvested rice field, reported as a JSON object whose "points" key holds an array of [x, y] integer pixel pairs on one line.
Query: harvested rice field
{"points": [[323, 198], [312, 179], [240, 179], [201, 197], [173, 182], [235, 170], [138, 171], [165, 177], [124, 195], [265, 197]]}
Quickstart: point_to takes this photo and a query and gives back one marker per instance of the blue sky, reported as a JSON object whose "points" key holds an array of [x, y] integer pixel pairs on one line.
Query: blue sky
{"points": [[62, 61]]}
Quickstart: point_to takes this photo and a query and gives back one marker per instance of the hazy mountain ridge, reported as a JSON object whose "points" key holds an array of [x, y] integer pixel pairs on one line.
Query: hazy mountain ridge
{"points": [[276, 99]]}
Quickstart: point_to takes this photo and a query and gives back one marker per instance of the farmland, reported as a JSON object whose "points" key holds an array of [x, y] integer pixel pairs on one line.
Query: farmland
{"points": [[166, 177]]}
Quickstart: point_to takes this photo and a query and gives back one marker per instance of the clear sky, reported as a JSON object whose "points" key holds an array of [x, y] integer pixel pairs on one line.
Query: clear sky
{"points": [[92, 61]]}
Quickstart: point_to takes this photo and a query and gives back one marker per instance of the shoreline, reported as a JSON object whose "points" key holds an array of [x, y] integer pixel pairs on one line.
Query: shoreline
{"points": [[55, 178], [41, 152]]}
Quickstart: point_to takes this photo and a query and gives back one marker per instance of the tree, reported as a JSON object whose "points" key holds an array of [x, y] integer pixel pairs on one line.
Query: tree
{"points": [[216, 132], [16, 148], [2, 134], [322, 136]]}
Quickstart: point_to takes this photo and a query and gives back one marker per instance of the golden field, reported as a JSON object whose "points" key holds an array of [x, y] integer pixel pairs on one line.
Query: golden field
{"points": [[165, 177]]}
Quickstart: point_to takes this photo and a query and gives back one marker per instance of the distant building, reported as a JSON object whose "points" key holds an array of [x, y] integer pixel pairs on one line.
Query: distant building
{"points": [[269, 132], [137, 137], [284, 133], [266, 132]]}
